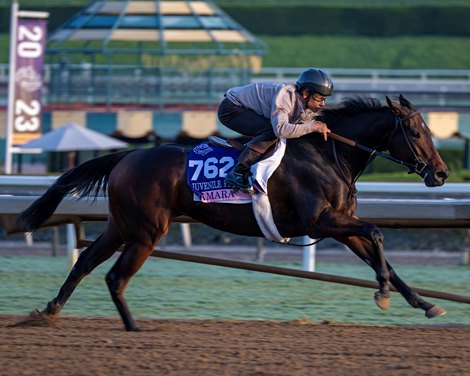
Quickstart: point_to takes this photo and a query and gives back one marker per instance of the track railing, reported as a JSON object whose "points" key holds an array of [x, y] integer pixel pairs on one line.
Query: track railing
{"points": [[391, 205]]}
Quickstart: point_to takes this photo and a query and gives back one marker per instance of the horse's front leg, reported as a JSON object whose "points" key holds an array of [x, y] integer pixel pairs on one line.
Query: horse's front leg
{"points": [[363, 249], [338, 225], [413, 298]]}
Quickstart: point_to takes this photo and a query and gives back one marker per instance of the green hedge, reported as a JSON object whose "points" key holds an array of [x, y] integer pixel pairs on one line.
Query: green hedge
{"points": [[415, 52], [321, 20], [378, 22], [354, 52]]}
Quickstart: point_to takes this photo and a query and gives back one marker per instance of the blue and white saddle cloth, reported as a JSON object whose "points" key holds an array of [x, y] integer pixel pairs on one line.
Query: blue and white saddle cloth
{"points": [[208, 165]]}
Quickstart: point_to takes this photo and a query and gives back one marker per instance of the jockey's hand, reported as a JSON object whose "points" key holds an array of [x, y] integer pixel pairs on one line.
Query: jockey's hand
{"points": [[321, 127]]}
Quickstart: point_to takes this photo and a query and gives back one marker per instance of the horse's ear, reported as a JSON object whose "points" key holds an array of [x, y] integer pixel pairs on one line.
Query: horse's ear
{"points": [[404, 102], [395, 107]]}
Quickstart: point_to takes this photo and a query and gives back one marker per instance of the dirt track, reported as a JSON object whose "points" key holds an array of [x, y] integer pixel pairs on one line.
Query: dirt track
{"points": [[99, 346]]}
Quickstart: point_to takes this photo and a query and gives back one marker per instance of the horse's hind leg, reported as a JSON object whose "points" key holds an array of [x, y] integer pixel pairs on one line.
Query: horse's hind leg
{"points": [[132, 258], [363, 249], [98, 252]]}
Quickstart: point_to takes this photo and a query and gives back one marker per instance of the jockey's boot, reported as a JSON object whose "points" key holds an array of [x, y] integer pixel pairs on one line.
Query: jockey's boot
{"points": [[239, 178]]}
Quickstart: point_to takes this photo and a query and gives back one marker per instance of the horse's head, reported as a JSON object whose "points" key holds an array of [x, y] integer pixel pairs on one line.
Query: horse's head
{"points": [[412, 143]]}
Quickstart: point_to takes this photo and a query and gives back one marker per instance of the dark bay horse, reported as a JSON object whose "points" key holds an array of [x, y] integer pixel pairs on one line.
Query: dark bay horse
{"points": [[311, 193]]}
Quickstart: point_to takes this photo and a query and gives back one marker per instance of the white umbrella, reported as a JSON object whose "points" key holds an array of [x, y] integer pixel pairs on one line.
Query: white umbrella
{"points": [[72, 137]]}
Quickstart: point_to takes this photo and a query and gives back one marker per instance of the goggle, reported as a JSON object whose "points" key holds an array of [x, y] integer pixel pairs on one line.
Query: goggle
{"points": [[318, 98]]}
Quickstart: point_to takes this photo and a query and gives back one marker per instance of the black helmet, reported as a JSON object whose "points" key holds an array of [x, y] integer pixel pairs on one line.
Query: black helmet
{"points": [[315, 80]]}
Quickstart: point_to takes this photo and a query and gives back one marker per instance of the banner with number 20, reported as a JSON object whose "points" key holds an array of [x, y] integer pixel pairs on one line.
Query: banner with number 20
{"points": [[27, 108]]}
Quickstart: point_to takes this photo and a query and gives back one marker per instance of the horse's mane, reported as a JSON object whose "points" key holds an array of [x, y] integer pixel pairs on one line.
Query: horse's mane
{"points": [[351, 106]]}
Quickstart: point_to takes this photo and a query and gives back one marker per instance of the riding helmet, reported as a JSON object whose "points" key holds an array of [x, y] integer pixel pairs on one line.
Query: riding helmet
{"points": [[315, 80]]}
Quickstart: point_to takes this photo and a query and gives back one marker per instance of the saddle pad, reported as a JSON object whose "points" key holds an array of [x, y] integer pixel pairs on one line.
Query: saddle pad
{"points": [[206, 170]]}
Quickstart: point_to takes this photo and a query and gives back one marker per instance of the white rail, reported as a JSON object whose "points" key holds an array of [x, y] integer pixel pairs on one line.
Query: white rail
{"points": [[379, 203], [393, 213], [449, 190]]}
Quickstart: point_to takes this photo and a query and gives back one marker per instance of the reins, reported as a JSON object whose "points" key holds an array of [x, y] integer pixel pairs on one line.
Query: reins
{"points": [[370, 150], [418, 167]]}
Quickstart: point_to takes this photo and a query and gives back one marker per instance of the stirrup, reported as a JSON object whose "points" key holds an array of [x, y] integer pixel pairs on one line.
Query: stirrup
{"points": [[237, 185], [249, 190]]}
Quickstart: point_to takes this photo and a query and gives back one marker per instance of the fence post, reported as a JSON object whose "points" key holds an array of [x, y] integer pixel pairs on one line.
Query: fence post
{"points": [[465, 255], [260, 251], [28, 237], [186, 232], [55, 240], [465, 259], [308, 255], [72, 251]]}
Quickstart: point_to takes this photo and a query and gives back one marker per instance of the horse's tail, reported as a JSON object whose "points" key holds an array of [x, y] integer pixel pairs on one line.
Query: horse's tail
{"points": [[88, 179]]}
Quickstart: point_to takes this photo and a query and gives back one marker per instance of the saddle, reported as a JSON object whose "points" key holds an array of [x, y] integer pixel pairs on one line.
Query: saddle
{"points": [[234, 144], [227, 144]]}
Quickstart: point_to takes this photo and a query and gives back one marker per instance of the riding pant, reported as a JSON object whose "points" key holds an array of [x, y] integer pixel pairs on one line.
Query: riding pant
{"points": [[248, 123]]}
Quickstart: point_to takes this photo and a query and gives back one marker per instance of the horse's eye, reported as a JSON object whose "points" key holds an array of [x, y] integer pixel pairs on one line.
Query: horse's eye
{"points": [[414, 134]]}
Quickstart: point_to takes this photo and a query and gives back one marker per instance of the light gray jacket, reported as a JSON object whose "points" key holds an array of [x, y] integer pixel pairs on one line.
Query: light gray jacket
{"points": [[278, 102]]}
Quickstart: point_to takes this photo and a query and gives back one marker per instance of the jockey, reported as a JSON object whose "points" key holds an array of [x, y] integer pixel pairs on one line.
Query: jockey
{"points": [[268, 111]]}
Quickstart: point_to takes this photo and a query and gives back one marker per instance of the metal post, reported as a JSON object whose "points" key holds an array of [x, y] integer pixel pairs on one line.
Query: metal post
{"points": [[55, 240], [72, 251], [186, 232], [465, 258], [308, 255], [260, 251], [28, 236], [465, 255]]}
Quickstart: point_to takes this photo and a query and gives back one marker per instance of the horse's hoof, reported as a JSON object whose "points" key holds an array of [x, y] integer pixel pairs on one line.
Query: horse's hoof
{"points": [[37, 318], [52, 309], [133, 329], [435, 311], [382, 301], [43, 315]]}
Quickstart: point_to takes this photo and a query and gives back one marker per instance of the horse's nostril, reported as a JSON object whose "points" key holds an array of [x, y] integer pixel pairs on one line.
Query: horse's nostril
{"points": [[441, 174]]}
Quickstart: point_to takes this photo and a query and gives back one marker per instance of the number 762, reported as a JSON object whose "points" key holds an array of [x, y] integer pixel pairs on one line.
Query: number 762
{"points": [[211, 167]]}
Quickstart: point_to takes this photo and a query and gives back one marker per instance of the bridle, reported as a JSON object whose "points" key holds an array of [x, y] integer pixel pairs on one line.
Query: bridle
{"points": [[418, 166]]}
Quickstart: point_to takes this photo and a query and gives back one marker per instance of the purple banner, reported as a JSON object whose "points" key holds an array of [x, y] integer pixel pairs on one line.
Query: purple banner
{"points": [[27, 107]]}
